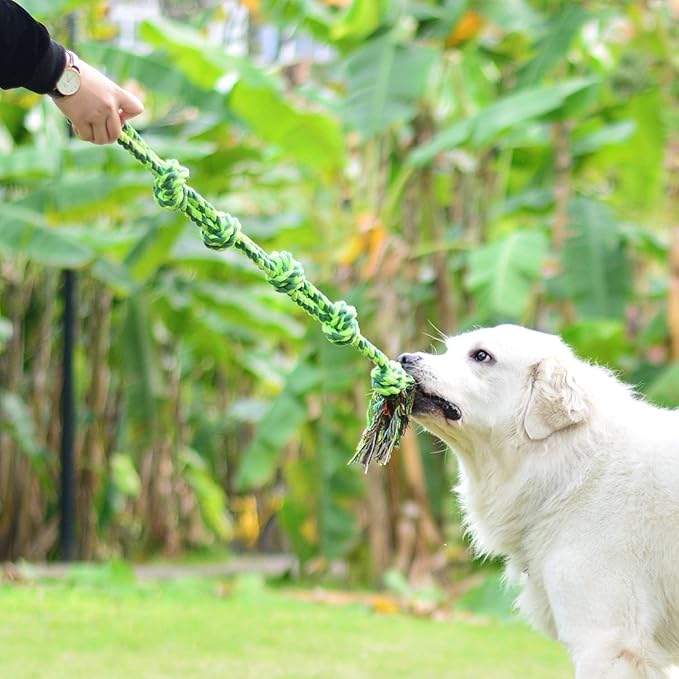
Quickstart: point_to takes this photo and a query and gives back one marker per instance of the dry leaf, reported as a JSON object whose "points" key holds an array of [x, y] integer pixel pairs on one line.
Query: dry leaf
{"points": [[386, 605], [467, 27]]}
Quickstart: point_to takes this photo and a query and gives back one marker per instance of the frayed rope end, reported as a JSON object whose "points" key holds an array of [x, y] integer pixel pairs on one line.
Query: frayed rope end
{"points": [[388, 418]]}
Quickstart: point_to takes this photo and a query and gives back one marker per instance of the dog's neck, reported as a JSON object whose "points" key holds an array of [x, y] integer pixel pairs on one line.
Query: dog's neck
{"points": [[506, 490]]}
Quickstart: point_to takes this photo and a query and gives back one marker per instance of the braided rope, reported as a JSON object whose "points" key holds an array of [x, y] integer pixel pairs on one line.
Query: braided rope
{"points": [[220, 230]]}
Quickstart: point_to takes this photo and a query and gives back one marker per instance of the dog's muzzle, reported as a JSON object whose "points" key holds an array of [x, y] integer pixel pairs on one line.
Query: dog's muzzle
{"points": [[426, 403]]}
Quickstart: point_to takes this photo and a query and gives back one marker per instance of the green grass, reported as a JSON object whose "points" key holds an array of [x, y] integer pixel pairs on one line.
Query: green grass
{"points": [[114, 628]]}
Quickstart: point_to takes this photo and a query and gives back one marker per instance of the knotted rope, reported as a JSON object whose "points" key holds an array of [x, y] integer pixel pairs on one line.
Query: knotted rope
{"points": [[392, 397]]}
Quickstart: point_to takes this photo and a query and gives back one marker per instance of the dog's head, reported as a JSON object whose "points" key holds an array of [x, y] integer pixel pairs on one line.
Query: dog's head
{"points": [[497, 383]]}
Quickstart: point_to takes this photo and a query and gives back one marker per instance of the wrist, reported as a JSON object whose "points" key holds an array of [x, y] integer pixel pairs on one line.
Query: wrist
{"points": [[69, 81]]}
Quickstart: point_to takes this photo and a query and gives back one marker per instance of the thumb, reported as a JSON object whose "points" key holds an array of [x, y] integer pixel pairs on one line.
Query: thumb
{"points": [[129, 105]]}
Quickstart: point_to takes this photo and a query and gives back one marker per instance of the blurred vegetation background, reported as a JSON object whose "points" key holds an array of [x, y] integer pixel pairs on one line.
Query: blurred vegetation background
{"points": [[437, 163]]}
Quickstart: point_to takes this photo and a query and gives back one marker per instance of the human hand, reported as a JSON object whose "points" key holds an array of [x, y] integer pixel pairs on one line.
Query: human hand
{"points": [[99, 108]]}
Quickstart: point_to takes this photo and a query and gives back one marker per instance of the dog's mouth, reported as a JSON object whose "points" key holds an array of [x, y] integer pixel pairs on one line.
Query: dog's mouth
{"points": [[430, 404]]}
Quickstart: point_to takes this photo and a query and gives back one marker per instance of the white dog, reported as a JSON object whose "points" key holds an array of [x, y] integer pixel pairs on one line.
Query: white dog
{"points": [[575, 481]]}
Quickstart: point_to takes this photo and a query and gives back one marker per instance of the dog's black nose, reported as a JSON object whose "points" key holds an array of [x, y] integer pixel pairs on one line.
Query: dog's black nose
{"points": [[408, 359]]}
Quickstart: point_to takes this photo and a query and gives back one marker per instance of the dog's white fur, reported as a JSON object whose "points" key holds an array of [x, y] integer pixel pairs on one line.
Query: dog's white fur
{"points": [[574, 479]]}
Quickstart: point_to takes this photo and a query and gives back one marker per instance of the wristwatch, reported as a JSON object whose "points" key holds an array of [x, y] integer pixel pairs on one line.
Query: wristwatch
{"points": [[69, 82]]}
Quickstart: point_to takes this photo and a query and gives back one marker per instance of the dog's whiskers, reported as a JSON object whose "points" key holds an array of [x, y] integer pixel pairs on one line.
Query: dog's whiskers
{"points": [[442, 337]]}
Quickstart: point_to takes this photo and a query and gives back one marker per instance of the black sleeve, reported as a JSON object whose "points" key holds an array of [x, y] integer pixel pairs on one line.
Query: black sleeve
{"points": [[28, 57]]}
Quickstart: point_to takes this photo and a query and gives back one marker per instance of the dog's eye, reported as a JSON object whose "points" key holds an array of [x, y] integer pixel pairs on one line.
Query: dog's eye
{"points": [[481, 356]]}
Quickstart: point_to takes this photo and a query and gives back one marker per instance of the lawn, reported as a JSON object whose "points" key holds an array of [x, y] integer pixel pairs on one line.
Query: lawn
{"points": [[96, 628]]}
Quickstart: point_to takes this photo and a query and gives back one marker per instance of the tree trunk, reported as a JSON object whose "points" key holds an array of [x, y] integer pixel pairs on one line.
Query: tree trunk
{"points": [[19, 491], [161, 505], [379, 526], [673, 302], [91, 458]]}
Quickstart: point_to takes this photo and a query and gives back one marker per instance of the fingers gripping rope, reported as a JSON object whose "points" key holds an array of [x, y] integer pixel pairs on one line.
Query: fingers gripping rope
{"points": [[392, 399]]}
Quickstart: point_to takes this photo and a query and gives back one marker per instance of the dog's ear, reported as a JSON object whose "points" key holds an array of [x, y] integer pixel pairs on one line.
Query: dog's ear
{"points": [[556, 399]]}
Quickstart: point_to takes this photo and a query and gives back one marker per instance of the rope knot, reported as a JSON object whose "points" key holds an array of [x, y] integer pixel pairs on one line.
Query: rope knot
{"points": [[221, 232], [288, 274], [390, 379], [169, 186], [340, 324]]}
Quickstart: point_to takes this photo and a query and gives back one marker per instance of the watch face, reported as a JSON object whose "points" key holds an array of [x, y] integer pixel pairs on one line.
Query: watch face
{"points": [[69, 83]]}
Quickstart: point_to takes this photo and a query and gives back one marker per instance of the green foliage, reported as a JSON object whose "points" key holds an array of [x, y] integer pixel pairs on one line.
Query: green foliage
{"points": [[596, 269], [23, 233], [383, 80], [261, 458], [360, 19], [602, 341], [514, 15], [311, 138], [642, 153], [503, 115], [27, 162], [124, 477], [396, 583], [141, 362], [5, 331], [17, 421], [664, 391], [202, 63], [211, 497], [503, 275], [552, 48], [493, 598]]}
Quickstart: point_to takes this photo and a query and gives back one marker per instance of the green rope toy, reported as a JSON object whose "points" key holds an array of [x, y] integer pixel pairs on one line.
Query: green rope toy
{"points": [[393, 389]]}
